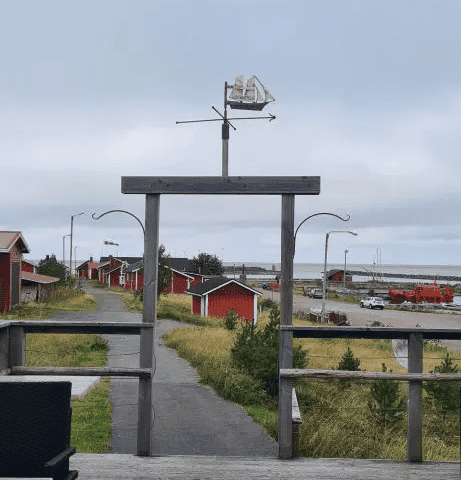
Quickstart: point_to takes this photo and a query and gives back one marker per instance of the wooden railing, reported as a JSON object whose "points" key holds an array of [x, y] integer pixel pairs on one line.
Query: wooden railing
{"points": [[415, 375], [12, 357]]}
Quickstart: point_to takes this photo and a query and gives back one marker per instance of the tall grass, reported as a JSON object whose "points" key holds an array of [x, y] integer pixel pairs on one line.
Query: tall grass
{"points": [[337, 421], [62, 299]]}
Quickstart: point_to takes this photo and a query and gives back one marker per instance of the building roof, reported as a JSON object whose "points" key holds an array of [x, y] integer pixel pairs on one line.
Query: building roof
{"points": [[179, 264], [202, 289], [37, 278], [134, 266], [90, 264], [8, 239], [128, 260]]}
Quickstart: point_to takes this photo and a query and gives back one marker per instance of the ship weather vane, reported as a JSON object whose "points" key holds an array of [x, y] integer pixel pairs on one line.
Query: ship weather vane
{"points": [[242, 97]]}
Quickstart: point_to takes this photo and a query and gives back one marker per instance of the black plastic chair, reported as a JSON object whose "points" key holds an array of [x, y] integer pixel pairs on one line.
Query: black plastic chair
{"points": [[35, 420]]}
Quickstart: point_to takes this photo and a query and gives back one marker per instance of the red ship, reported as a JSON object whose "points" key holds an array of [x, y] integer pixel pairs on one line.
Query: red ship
{"points": [[427, 292]]}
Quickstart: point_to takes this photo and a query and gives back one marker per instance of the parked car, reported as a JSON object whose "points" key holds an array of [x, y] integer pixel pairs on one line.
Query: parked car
{"points": [[372, 302], [316, 293], [265, 286]]}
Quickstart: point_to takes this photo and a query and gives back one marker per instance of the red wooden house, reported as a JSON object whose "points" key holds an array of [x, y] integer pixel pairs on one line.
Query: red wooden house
{"points": [[217, 296], [134, 280], [88, 269], [12, 247], [180, 282]]}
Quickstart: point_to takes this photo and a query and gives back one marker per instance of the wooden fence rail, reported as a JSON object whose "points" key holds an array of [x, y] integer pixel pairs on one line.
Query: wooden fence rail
{"points": [[414, 377], [12, 357]]}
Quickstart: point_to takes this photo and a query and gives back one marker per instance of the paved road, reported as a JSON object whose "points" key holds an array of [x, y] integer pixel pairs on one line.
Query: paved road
{"points": [[190, 419], [360, 317]]}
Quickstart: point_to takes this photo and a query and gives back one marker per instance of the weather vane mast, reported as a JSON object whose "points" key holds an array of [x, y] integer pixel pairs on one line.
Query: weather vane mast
{"points": [[243, 97]]}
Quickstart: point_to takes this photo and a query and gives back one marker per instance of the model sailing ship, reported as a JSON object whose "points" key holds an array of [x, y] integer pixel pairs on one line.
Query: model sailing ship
{"points": [[248, 97]]}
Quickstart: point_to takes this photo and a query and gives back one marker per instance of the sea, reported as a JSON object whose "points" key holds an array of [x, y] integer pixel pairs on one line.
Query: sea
{"points": [[314, 271]]}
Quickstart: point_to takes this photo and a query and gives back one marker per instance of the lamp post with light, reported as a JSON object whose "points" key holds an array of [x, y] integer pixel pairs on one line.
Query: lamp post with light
{"points": [[325, 266]]}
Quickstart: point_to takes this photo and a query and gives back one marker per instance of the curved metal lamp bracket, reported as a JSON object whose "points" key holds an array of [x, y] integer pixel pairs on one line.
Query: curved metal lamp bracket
{"points": [[121, 211], [315, 215]]}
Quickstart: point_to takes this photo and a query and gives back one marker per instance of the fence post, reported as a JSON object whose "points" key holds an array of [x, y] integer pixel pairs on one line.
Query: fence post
{"points": [[146, 341], [286, 318], [17, 340], [415, 427], [4, 350]]}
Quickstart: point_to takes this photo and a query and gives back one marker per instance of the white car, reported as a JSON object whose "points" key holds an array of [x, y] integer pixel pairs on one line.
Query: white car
{"points": [[372, 302]]}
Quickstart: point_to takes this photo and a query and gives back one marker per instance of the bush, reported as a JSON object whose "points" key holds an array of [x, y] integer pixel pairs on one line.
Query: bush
{"points": [[255, 351], [231, 320], [348, 362], [266, 304], [386, 404], [444, 395]]}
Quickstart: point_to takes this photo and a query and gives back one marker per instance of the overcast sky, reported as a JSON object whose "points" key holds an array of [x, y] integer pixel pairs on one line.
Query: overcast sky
{"points": [[368, 97]]}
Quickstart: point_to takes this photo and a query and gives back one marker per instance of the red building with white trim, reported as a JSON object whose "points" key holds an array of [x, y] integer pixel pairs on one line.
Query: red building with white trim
{"points": [[217, 296], [12, 247], [88, 269]]}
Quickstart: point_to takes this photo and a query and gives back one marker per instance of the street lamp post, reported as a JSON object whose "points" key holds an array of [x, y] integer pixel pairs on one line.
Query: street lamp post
{"points": [[325, 266], [64, 249], [344, 277], [71, 237]]}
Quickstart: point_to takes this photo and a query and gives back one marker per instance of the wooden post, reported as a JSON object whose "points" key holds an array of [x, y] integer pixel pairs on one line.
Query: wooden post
{"points": [[415, 427], [17, 340], [286, 337], [151, 244], [4, 350]]}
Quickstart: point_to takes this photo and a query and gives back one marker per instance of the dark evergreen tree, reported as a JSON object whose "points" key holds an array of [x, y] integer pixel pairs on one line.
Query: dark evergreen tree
{"points": [[348, 362], [51, 267], [444, 395], [387, 405], [207, 264], [255, 351]]}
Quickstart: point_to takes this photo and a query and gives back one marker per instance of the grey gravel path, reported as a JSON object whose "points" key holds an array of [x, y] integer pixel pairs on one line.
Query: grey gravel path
{"points": [[189, 419]]}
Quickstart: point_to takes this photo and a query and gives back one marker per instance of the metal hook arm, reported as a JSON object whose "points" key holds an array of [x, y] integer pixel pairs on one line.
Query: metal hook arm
{"points": [[314, 215], [122, 211]]}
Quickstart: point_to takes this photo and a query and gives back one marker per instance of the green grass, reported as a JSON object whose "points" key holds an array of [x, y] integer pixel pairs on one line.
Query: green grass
{"points": [[63, 299], [92, 420], [337, 420]]}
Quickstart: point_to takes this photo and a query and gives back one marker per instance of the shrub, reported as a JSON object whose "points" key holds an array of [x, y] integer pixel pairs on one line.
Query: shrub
{"points": [[444, 395], [266, 304], [386, 405], [255, 351], [348, 362], [231, 320]]}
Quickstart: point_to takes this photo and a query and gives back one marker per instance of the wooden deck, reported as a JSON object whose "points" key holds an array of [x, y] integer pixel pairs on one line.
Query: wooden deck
{"points": [[127, 467]]}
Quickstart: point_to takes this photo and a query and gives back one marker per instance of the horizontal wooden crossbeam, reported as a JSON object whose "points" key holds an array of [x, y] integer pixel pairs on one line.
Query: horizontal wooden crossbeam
{"points": [[83, 371], [333, 331], [222, 185], [100, 328], [347, 374]]}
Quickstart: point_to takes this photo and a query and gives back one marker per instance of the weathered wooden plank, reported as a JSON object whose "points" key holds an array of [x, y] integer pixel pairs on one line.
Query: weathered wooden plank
{"points": [[285, 437], [295, 412], [4, 350], [329, 374], [106, 328], [83, 371], [16, 344], [130, 467], [415, 400], [334, 331], [145, 398], [222, 185]]}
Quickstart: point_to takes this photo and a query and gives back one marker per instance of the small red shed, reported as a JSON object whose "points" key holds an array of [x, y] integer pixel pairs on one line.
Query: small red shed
{"points": [[217, 296], [12, 246], [180, 282]]}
